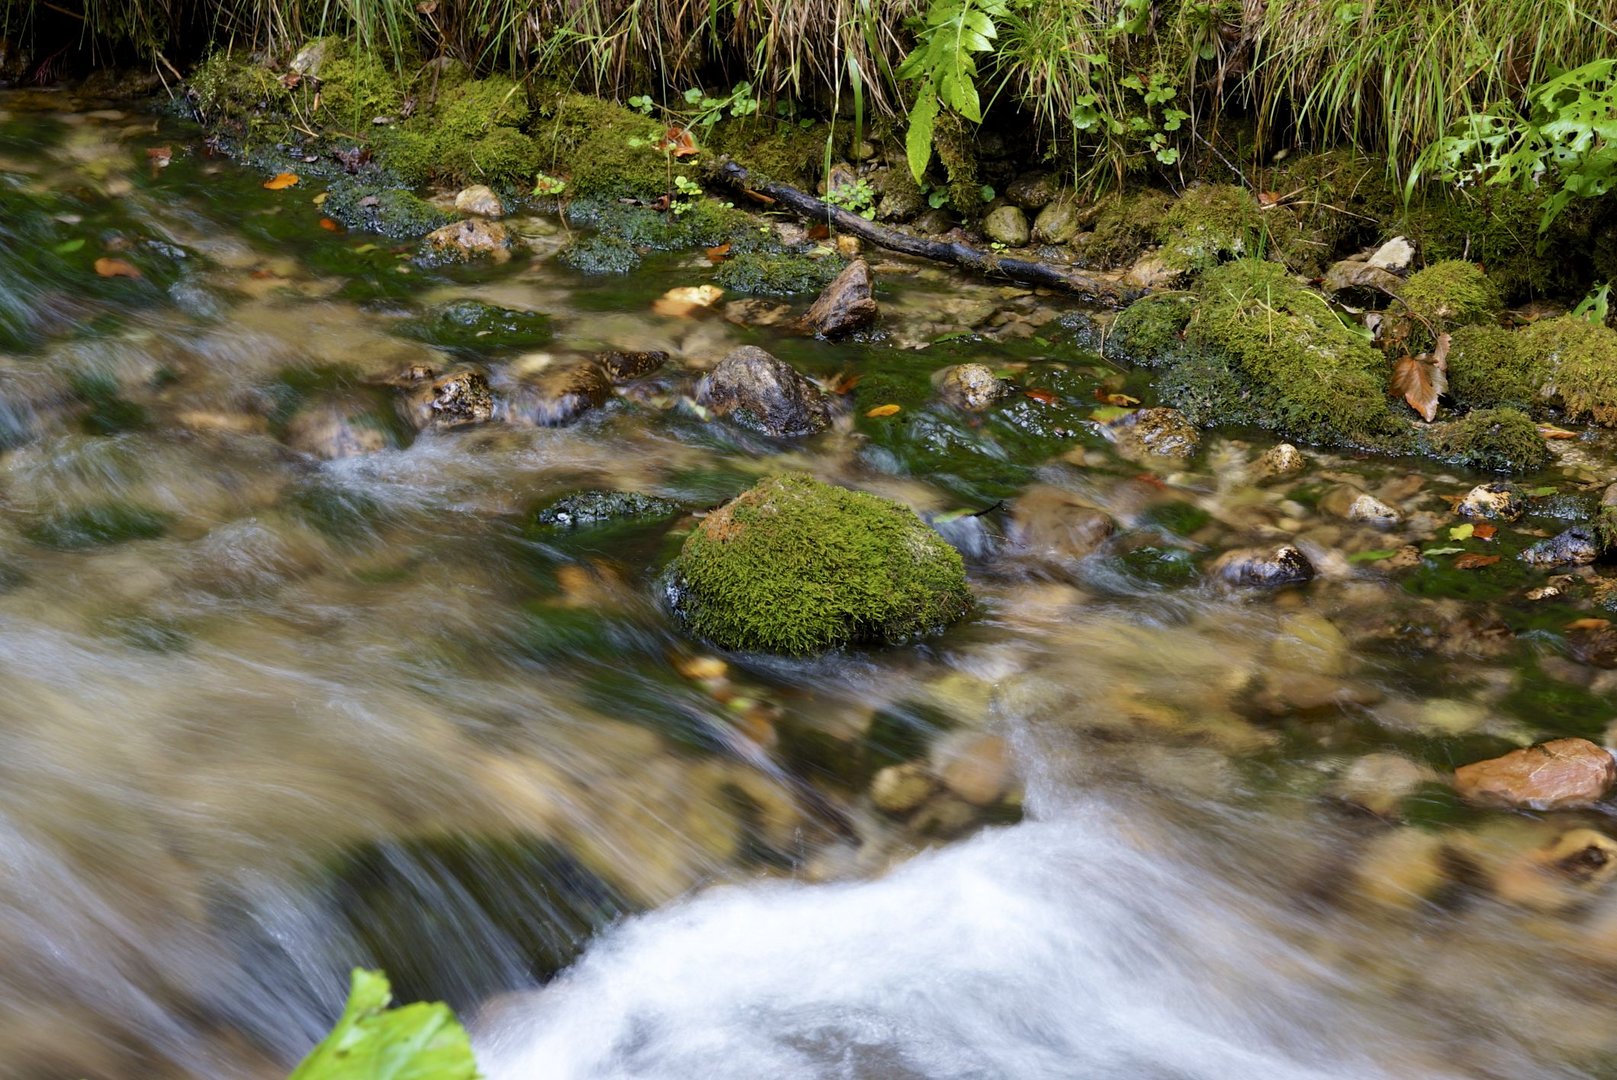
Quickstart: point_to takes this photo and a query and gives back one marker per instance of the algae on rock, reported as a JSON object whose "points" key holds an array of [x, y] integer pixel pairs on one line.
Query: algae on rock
{"points": [[1581, 358], [1447, 295], [797, 566], [1493, 440]]}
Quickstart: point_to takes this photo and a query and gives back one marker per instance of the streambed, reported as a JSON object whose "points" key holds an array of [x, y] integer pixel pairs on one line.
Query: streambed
{"points": [[268, 716]]}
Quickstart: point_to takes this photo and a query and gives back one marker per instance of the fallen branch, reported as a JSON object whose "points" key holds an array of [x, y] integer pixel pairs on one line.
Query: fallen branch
{"points": [[1091, 287]]}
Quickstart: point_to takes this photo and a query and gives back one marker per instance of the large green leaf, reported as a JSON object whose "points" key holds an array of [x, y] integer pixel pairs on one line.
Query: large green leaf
{"points": [[918, 140], [370, 1042]]}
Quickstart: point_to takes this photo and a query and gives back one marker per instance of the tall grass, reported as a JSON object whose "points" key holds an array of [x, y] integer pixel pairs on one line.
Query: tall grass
{"points": [[1099, 84]]}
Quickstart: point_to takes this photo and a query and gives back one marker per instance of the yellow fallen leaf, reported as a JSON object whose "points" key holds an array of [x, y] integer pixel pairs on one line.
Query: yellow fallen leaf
{"points": [[320, 199], [1462, 532], [281, 180], [883, 410], [686, 300], [115, 268]]}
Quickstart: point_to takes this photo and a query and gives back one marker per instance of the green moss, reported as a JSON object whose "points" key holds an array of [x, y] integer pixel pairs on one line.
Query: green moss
{"points": [[1148, 331], [1489, 366], [776, 275], [797, 566], [379, 208], [705, 223], [226, 87], [771, 150], [355, 88], [1446, 295], [1335, 203], [1210, 224], [1302, 371], [97, 526], [955, 144], [472, 133], [600, 253], [1125, 227], [1492, 440], [479, 329], [588, 141], [1581, 357]]}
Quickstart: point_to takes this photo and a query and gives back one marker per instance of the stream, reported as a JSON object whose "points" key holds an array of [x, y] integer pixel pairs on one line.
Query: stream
{"points": [[269, 711]]}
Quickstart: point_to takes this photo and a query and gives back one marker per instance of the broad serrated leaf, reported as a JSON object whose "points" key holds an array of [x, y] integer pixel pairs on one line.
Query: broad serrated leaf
{"points": [[420, 1041], [918, 139]]}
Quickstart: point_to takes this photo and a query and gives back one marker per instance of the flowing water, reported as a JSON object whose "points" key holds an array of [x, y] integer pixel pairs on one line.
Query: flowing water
{"points": [[268, 716]]}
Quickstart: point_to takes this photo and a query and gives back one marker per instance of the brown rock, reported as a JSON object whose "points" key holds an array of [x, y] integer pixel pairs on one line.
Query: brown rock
{"points": [[767, 395], [559, 395], [969, 387], [1555, 775], [625, 366], [452, 400], [1053, 521], [977, 768], [1560, 874], [473, 236], [846, 304], [898, 789], [479, 200]]}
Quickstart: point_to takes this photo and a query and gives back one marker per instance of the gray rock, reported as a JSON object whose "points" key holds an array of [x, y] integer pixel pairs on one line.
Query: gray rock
{"points": [[311, 57], [1058, 222], [1053, 521], [1007, 225], [1372, 511], [559, 395], [900, 199], [1279, 461], [1264, 566], [1157, 432], [934, 222], [1361, 281], [846, 305], [970, 387], [1396, 255], [764, 394], [1491, 502], [451, 400], [594, 507], [1033, 191], [1577, 546], [622, 367], [479, 200]]}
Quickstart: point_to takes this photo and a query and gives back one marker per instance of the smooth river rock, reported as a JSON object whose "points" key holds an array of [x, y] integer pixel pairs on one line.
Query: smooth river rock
{"points": [[846, 305], [767, 395], [1556, 775], [1264, 566]]}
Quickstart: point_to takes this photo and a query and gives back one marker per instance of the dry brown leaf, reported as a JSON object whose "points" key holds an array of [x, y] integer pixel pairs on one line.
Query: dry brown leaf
{"points": [[1550, 431], [159, 156], [1422, 379], [1484, 532], [1471, 560], [758, 197], [1043, 397], [291, 79], [679, 143], [115, 268], [883, 410], [1588, 624], [281, 180], [1269, 198]]}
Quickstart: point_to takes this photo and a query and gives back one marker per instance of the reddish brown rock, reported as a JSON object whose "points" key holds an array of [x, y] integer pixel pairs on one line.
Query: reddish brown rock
{"points": [[1551, 776]]}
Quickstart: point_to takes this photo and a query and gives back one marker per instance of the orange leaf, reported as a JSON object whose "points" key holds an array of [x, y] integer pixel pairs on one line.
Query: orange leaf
{"points": [[883, 410], [281, 180], [678, 142], [1484, 532], [291, 79], [1043, 397], [1420, 383], [1550, 431], [717, 254], [758, 196], [159, 156], [1473, 561], [1270, 198], [329, 225], [1588, 624], [819, 231], [843, 382], [1121, 400], [115, 268]]}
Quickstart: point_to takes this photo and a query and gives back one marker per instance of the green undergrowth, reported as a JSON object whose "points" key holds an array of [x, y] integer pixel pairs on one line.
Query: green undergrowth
{"points": [[1447, 295], [776, 275]]}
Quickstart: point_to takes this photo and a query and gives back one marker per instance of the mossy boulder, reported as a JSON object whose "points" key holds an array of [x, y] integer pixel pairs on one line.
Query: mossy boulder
{"points": [[600, 253], [1210, 224], [473, 131], [1266, 350], [1491, 440], [1125, 226], [1489, 366], [1151, 330], [375, 206], [797, 566], [476, 329], [604, 149], [762, 274], [1447, 295], [1580, 358]]}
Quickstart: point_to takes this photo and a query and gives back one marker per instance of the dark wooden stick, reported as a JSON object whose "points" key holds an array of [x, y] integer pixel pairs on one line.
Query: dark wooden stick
{"points": [[1091, 287]]}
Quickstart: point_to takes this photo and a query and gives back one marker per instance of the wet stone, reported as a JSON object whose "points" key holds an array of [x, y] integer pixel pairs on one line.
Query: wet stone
{"points": [[846, 305], [1557, 775], [1577, 546], [1278, 462], [1491, 502], [595, 507], [338, 429], [974, 767], [1264, 566], [764, 394], [1372, 511], [480, 201], [469, 239], [1157, 432], [1560, 874], [970, 387], [1595, 645], [898, 789], [1379, 783], [624, 367], [559, 395], [1058, 222], [1052, 521], [1008, 226], [451, 400], [1033, 191]]}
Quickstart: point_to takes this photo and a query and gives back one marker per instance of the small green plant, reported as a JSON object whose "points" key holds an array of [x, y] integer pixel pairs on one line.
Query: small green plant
{"points": [[420, 1041], [545, 184], [688, 191], [1566, 138], [858, 197], [944, 64], [1596, 306]]}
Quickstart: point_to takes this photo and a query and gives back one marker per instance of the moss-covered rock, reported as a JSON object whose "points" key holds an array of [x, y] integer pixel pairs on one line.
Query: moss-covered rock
{"points": [[1581, 359], [601, 253], [604, 149], [1210, 224], [1149, 331], [797, 566], [1492, 440], [1447, 295], [477, 328], [1273, 352], [596, 507], [1125, 226], [776, 275], [473, 131], [1489, 366], [357, 87], [372, 205]]}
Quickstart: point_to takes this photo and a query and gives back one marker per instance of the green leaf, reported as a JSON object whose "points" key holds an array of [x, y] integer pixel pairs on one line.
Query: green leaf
{"points": [[421, 1041], [918, 140], [1443, 551], [67, 247], [1462, 532], [1105, 414], [1540, 492]]}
